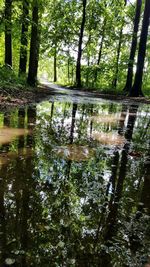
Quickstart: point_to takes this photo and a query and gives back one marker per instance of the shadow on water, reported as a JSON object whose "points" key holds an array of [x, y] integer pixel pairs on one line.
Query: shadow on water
{"points": [[70, 197]]}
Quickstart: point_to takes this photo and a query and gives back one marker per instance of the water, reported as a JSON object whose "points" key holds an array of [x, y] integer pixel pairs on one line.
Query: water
{"points": [[75, 184]]}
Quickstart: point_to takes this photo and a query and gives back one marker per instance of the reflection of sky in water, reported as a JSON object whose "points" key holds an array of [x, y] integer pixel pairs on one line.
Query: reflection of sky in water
{"points": [[64, 194]]}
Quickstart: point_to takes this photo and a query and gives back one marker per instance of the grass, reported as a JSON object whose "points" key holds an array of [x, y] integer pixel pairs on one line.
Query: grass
{"points": [[10, 80], [10, 83]]}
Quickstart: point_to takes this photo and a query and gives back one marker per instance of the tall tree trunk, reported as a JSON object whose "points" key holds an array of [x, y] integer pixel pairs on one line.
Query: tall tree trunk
{"points": [[136, 90], [128, 85], [87, 73], [24, 37], [100, 49], [88, 59], [55, 65], [72, 73], [78, 65], [68, 70], [115, 80], [34, 46], [68, 65], [8, 34]]}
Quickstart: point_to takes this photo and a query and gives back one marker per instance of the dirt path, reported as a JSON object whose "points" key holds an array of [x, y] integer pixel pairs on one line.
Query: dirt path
{"points": [[59, 90], [16, 97]]}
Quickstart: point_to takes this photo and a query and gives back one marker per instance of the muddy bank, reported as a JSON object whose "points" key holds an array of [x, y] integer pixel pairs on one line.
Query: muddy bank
{"points": [[53, 89], [20, 97], [10, 97]]}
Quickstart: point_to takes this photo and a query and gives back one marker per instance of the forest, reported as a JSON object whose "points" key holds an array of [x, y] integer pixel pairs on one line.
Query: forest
{"points": [[74, 133], [89, 44]]}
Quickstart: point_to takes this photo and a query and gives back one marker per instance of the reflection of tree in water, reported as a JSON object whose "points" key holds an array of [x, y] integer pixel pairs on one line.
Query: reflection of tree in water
{"points": [[139, 233], [111, 233], [17, 188], [2, 216], [21, 124], [68, 214], [74, 110], [145, 195], [118, 177], [73, 183]]}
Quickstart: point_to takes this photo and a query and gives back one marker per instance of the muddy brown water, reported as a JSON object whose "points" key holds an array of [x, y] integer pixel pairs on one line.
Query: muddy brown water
{"points": [[75, 184]]}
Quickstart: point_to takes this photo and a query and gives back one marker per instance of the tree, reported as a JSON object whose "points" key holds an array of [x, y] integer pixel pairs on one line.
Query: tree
{"points": [[8, 33], [115, 79], [34, 46], [24, 37], [133, 46], [111, 221], [101, 47], [78, 65], [136, 90]]}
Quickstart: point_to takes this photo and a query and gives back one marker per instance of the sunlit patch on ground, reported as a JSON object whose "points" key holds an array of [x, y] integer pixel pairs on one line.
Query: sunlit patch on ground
{"points": [[7, 135], [75, 152], [108, 138]]}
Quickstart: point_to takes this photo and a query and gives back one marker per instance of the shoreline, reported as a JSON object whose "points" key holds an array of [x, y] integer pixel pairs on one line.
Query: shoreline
{"points": [[21, 97]]}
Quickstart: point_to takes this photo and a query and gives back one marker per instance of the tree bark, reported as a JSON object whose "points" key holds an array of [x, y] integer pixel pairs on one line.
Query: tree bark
{"points": [[8, 34], [55, 65], [136, 90], [24, 38], [78, 65], [34, 46], [87, 73], [115, 80], [68, 66], [128, 85], [100, 49]]}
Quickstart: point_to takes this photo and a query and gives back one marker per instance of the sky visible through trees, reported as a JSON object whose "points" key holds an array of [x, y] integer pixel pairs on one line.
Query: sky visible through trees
{"points": [[81, 43], [74, 167]]}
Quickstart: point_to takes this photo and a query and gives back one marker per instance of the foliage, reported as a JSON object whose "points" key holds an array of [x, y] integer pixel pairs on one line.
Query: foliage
{"points": [[60, 23], [13, 86], [9, 77], [58, 209]]}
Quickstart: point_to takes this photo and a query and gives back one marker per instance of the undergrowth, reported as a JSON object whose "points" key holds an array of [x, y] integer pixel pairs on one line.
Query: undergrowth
{"points": [[9, 81]]}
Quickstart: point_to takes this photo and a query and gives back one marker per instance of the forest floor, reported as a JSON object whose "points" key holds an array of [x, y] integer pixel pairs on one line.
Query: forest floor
{"points": [[11, 97]]}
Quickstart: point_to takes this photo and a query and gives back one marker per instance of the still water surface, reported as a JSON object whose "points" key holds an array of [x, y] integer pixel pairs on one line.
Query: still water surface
{"points": [[75, 184]]}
